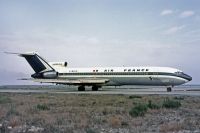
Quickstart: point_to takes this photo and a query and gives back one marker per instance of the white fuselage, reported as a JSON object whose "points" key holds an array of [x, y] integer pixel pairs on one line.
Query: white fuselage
{"points": [[59, 73], [162, 76]]}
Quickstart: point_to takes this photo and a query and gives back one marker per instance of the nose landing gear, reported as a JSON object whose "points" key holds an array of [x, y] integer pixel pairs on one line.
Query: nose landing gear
{"points": [[169, 89]]}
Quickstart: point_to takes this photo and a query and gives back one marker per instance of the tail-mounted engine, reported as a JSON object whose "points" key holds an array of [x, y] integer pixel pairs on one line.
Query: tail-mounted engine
{"points": [[50, 75], [46, 75]]}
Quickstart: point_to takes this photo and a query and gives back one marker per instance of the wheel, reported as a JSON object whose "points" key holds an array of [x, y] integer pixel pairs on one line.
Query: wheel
{"points": [[169, 89], [95, 88], [81, 88]]}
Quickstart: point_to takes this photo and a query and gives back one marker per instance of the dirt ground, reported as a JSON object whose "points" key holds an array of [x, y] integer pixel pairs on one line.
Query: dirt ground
{"points": [[85, 113]]}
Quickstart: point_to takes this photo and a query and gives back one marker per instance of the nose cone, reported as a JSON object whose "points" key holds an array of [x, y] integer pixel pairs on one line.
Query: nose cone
{"points": [[187, 77]]}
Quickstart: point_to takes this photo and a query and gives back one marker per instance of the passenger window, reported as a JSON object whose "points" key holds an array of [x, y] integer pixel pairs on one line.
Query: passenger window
{"points": [[125, 70], [147, 69], [138, 70], [133, 70]]}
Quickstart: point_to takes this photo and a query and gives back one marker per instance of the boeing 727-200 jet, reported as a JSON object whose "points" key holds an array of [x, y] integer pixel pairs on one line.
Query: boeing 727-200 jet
{"points": [[59, 73]]}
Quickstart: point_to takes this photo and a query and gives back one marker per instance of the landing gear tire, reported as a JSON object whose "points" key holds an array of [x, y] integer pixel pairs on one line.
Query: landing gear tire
{"points": [[95, 88], [81, 88], [169, 89]]}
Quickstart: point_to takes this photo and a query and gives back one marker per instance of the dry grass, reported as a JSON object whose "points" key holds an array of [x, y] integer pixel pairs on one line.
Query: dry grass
{"points": [[115, 121], [95, 113], [171, 127]]}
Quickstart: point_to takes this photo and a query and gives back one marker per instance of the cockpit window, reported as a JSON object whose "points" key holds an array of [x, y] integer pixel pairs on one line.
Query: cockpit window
{"points": [[179, 73]]}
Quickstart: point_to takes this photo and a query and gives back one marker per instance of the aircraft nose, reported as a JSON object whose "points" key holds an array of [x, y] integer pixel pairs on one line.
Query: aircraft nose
{"points": [[189, 78], [184, 76]]}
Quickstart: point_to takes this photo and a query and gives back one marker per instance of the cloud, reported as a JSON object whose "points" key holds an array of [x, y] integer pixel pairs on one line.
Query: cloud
{"points": [[186, 14], [78, 50], [88, 51], [174, 29], [166, 12]]}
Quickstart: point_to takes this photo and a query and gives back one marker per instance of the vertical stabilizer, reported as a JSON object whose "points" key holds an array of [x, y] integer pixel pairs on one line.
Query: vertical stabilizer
{"points": [[37, 62]]}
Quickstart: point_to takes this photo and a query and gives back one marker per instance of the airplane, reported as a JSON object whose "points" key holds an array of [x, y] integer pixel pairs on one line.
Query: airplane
{"points": [[60, 73]]}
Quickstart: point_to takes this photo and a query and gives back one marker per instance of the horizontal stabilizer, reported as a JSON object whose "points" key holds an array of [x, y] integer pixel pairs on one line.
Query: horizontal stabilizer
{"points": [[36, 62], [21, 54]]}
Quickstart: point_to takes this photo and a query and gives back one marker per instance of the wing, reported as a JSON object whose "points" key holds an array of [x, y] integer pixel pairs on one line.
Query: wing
{"points": [[92, 81]]}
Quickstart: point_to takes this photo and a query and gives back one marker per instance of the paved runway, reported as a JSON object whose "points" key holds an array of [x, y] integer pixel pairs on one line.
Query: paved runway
{"points": [[138, 92], [124, 91]]}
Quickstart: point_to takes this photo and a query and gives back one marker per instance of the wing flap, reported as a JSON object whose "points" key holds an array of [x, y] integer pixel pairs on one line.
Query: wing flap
{"points": [[71, 82]]}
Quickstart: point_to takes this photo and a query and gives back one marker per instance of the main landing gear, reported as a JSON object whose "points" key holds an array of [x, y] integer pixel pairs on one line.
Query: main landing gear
{"points": [[82, 88], [95, 88]]}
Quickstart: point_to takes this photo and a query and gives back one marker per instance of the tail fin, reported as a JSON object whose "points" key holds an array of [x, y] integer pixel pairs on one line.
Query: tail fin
{"points": [[36, 62]]}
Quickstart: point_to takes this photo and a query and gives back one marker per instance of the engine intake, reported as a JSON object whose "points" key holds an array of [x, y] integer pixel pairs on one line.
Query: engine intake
{"points": [[58, 64]]}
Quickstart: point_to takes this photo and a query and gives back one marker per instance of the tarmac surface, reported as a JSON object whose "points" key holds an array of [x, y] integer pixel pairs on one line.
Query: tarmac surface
{"points": [[186, 91]]}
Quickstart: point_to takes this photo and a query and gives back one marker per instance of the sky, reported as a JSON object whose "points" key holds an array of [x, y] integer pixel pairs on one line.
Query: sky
{"points": [[90, 33]]}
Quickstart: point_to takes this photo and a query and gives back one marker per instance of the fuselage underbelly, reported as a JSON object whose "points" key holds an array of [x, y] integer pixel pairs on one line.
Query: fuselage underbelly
{"points": [[133, 80]]}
